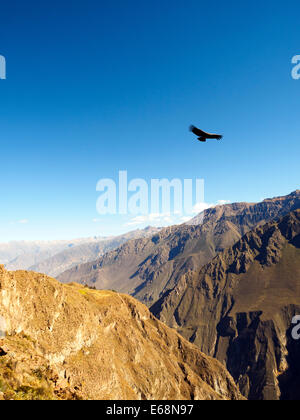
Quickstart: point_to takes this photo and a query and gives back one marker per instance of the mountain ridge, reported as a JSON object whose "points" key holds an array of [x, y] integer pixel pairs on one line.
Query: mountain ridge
{"points": [[87, 252], [148, 268], [245, 298], [54, 257], [69, 342]]}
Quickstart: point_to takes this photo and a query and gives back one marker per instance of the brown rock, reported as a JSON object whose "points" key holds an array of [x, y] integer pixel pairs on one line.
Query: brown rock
{"points": [[70, 342], [239, 309]]}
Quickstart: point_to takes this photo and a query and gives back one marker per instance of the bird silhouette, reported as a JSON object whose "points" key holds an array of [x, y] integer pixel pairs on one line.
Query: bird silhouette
{"points": [[203, 136]]}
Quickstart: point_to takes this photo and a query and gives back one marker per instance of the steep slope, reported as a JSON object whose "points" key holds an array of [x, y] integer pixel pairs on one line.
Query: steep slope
{"points": [[239, 309], [148, 268], [86, 252], [69, 342]]}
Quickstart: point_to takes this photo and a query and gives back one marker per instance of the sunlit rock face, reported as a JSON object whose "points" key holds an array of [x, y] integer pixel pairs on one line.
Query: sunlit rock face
{"points": [[71, 342]]}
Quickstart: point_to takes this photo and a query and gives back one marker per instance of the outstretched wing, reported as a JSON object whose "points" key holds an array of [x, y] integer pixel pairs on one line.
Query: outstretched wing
{"points": [[203, 134], [215, 136], [198, 132]]}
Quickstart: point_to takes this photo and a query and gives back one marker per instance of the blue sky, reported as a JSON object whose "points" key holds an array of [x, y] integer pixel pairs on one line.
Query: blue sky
{"points": [[95, 87]]}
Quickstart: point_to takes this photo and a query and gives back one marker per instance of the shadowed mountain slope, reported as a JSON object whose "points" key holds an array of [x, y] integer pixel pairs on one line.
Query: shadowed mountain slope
{"points": [[149, 268], [70, 342], [239, 309]]}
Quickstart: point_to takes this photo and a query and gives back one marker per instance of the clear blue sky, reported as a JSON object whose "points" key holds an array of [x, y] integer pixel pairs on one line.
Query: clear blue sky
{"points": [[95, 87]]}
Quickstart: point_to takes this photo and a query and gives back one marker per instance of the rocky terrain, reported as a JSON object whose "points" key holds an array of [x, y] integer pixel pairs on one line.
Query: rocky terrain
{"points": [[228, 282], [70, 342], [148, 268], [239, 309], [54, 257]]}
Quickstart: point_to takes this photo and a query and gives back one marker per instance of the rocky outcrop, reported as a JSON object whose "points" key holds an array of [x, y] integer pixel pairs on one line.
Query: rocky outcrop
{"points": [[239, 309], [149, 268], [71, 342]]}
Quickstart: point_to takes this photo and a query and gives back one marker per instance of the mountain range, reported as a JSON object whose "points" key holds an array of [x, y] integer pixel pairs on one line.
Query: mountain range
{"points": [[239, 309], [54, 257], [228, 282], [147, 268]]}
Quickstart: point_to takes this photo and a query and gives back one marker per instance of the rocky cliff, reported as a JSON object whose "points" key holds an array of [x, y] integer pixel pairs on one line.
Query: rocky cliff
{"points": [[70, 342], [239, 309]]}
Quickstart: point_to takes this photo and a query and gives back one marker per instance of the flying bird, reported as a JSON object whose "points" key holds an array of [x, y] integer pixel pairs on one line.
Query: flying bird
{"points": [[203, 136]]}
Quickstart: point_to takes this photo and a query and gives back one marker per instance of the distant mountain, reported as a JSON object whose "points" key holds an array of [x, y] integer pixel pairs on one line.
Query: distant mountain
{"points": [[17, 255], [67, 342], [54, 257], [86, 252], [150, 267], [239, 309]]}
